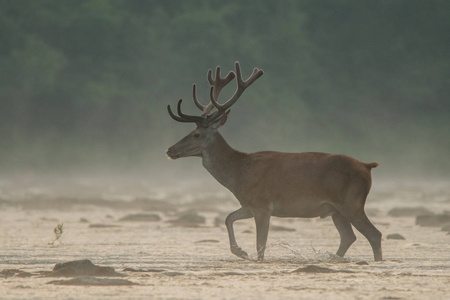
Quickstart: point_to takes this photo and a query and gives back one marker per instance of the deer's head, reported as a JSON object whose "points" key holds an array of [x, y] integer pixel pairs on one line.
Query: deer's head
{"points": [[213, 116]]}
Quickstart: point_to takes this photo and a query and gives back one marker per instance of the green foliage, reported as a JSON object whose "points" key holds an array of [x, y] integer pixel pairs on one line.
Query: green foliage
{"points": [[85, 81], [58, 231]]}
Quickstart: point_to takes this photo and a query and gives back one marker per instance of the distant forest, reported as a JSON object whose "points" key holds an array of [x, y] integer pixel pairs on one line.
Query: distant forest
{"points": [[86, 83]]}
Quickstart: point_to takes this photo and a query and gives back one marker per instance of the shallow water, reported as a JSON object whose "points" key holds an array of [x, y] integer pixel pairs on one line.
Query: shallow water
{"points": [[177, 262]]}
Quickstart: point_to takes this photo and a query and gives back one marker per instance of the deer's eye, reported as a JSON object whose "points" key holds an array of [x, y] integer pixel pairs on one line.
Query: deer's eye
{"points": [[196, 135]]}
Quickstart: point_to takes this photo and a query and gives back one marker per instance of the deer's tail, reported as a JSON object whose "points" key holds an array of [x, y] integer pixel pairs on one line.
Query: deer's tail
{"points": [[372, 165]]}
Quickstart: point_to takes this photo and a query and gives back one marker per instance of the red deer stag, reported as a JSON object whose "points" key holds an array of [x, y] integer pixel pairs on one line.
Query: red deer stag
{"points": [[302, 185]]}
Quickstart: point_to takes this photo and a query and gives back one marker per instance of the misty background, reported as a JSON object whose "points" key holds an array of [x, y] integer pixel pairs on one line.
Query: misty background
{"points": [[84, 85]]}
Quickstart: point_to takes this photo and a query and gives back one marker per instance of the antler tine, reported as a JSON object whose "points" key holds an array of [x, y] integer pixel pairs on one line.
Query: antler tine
{"points": [[218, 82], [196, 102], [183, 117], [206, 109], [209, 77], [175, 117], [195, 119], [241, 86], [255, 75], [213, 98]]}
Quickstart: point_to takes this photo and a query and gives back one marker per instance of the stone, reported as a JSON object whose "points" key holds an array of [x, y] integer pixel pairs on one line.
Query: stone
{"points": [[141, 218], [81, 268], [395, 236], [435, 220], [409, 211], [87, 280], [189, 218]]}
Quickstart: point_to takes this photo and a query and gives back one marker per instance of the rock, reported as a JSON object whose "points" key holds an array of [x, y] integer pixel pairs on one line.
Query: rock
{"points": [[435, 220], [14, 273], [189, 218], [84, 220], [317, 269], [446, 228], [209, 203], [231, 273], [362, 263], [409, 211], [141, 218], [4, 202], [172, 273], [395, 236], [103, 226], [143, 271], [81, 268], [148, 204], [372, 212], [280, 228], [45, 219], [220, 219], [207, 241], [92, 281]]}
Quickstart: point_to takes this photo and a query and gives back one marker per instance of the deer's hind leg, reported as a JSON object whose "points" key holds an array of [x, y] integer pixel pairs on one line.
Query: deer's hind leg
{"points": [[346, 233], [240, 214], [353, 210], [373, 235]]}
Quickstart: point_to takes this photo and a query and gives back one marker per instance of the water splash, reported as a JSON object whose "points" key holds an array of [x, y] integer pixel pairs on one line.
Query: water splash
{"points": [[306, 254]]}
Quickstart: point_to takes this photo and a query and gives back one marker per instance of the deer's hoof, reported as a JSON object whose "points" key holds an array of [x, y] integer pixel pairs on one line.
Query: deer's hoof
{"points": [[239, 252]]}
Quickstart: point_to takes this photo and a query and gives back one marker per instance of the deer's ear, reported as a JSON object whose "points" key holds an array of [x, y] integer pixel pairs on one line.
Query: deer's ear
{"points": [[221, 120], [224, 118]]}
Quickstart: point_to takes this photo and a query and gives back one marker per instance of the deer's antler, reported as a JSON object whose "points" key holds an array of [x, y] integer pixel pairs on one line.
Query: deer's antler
{"points": [[214, 110]]}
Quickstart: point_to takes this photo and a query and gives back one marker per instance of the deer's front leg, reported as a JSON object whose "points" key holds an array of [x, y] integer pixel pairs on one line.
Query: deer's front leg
{"points": [[240, 214], [262, 220]]}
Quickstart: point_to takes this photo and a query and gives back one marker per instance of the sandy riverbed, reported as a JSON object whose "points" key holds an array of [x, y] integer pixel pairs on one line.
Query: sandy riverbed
{"points": [[163, 259]]}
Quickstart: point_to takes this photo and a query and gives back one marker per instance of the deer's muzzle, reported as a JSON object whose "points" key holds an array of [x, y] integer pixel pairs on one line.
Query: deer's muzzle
{"points": [[172, 155]]}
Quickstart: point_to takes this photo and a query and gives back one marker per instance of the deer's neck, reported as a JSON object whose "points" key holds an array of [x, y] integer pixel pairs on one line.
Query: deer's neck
{"points": [[223, 162]]}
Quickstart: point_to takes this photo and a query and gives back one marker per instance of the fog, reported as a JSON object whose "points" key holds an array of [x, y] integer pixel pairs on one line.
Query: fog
{"points": [[84, 86]]}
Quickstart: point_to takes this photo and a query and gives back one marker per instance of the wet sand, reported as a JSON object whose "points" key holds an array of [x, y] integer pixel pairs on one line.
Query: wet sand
{"points": [[160, 257]]}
